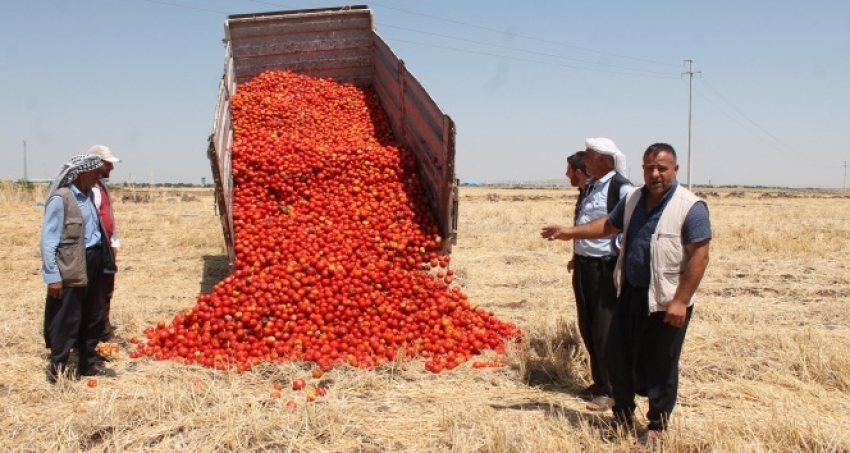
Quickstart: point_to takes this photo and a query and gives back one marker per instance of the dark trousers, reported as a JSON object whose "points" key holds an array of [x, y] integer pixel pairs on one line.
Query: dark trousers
{"points": [[108, 284], [596, 297], [643, 358], [76, 320]]}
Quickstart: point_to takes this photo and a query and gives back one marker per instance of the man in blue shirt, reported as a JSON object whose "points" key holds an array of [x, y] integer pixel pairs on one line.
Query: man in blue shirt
{"points": [[74, 260], [666, 242]]}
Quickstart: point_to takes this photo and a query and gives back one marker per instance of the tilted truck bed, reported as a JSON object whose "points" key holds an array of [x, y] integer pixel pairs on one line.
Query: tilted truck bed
{"points": [[339, 43]]}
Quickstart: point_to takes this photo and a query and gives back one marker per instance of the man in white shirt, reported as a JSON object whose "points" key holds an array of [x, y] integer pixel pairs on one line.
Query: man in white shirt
{"points": [[594, 262]]}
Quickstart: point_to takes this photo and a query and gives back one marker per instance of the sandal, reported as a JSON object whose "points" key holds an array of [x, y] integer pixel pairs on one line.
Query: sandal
{"points": [[600, 403]]}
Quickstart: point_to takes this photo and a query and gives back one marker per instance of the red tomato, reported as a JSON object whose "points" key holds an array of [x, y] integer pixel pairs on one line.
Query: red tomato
{"points": [[331, 230]]}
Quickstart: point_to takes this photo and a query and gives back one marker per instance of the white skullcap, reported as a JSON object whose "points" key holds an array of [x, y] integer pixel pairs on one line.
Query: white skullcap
{"points": [[104, 153], [607, 146]]}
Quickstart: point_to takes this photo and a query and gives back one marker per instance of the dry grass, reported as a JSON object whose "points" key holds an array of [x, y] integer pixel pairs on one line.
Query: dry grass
{"points": [[765, 366]]}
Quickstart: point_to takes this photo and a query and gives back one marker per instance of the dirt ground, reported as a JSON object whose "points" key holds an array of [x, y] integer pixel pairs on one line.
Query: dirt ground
{"points": [[765, 365]]}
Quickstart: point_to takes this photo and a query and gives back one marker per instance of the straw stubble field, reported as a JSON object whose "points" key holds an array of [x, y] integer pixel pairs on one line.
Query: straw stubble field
{"points": [[765, 366]]}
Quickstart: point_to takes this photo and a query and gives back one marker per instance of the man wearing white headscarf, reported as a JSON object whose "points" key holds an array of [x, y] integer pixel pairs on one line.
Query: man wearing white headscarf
{"points": [[594, 261], [73, 260]]}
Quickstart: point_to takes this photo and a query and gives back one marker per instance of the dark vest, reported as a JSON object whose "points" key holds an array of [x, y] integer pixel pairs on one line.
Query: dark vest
{"points": [[614, 186]]}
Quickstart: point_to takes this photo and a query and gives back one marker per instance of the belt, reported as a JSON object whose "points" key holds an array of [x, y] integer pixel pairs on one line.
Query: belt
{"points": [[595, 259]]}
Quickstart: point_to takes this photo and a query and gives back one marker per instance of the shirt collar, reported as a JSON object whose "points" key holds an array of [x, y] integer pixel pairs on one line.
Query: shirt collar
{"points": [[77, 192], [596, 183], [607, 176]]}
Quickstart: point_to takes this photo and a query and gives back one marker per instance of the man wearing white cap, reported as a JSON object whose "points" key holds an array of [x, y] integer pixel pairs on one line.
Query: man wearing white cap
{"points": [[594, 261], [103, 202]]}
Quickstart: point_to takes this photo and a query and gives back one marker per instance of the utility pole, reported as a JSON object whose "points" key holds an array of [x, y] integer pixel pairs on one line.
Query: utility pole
{"points": [[690, 73], [845, 176], [25, 162]]}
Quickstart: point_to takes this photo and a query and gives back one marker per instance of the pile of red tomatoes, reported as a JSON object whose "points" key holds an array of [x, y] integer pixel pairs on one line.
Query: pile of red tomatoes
{"points": [[337, 253]]}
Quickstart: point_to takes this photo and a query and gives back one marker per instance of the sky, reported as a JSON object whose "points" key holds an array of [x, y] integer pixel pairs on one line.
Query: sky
{"points": [[525, 83]]}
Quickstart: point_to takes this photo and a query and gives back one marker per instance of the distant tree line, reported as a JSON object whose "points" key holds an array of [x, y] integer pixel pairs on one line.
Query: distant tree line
{"points": [[30, 184], [126, 184]]}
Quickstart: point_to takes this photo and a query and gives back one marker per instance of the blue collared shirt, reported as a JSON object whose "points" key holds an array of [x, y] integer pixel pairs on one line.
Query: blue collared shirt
{"points": [[697, 228], [593, 206], [54, 223]]}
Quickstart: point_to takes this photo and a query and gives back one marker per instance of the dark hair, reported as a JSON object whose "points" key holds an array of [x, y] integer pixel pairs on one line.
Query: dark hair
{"points": [[658, 148], [577, 162]]}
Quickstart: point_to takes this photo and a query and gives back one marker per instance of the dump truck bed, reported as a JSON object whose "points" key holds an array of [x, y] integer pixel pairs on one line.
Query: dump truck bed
{"points": [[342, 44]]}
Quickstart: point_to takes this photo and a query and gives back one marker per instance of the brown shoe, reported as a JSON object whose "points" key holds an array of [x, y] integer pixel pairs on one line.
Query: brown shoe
{"points": [[600, 403]]}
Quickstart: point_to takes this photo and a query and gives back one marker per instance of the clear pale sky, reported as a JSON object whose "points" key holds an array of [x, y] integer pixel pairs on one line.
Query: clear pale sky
{"points": [[525, 82]]}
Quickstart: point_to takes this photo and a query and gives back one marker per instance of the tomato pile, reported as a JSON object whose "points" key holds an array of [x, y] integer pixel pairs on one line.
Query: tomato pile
{"points": [[337, 253]]}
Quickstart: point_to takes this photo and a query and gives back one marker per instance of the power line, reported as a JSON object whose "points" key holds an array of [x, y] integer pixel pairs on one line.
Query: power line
{"points": [[186, 6], [733, 118], [272, 4], [519, 35], [529, 60], [747, 117], [639, 72], [531, 38], [520, 50]]}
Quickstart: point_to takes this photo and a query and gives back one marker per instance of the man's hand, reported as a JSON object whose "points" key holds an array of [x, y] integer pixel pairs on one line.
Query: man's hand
{"points": [[677, 311], [571, 265], [114, 253], [552, 232], [54, 290]]}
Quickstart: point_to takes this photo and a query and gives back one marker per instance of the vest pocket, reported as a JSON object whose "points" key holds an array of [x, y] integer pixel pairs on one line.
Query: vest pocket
{"points": [[666, 261], [667, 251], [667, 285], [71, 260], [73, 230]]}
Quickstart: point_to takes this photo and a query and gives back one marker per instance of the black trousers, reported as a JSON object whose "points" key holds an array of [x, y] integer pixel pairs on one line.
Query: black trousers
{"points": [[108, 284], [643, 358], [76, 320], [596, 297]]}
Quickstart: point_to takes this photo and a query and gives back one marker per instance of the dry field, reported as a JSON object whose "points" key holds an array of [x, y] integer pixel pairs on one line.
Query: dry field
{"points": [[765, 366]]}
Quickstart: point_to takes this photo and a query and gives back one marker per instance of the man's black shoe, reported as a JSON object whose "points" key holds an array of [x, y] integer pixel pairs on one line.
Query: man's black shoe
{"points": [[52, 374], [97, 370], [54, 370], [108, 333], [591, 391], [100, 358]]}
